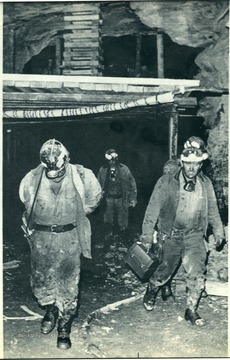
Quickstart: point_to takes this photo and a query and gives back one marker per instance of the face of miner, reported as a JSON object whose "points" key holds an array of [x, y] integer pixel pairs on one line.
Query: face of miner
{"points": [[112, 162], [191, 168]]}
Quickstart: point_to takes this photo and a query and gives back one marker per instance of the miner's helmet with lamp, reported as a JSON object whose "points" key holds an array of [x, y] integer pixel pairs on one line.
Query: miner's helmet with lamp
{"points": [[111, 154], [192, 157], [194, 150], [54, 157]]}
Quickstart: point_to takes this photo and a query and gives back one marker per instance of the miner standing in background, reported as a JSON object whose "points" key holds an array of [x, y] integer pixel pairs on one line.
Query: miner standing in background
{"points": [[58, 196], [119, 192], [182, 205]]}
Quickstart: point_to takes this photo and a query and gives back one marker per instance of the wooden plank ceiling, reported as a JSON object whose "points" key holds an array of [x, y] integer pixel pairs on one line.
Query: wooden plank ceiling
{"points": [[45, 92], [25, 90]]}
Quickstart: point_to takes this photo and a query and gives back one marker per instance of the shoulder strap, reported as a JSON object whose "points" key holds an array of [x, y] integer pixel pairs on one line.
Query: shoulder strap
{"points": [[35, 196], [78, 180]]}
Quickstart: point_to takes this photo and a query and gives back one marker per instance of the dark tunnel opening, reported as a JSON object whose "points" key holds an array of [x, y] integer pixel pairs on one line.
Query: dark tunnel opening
{"points": [[120, 56], [142, 142]]}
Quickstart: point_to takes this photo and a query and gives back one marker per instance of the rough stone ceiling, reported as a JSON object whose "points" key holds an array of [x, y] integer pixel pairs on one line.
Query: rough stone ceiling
{"points": [[198, 22], [194, 23], [36, 24]]}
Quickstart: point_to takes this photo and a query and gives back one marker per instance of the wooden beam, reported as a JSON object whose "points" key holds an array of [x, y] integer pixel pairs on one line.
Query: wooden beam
{"points": [[217, 288], [74, 37], [166, 98], [138, 54], [173, 133], [212, 287], [186, 101], [75, 18], [58, 56], [79, 62], [160, 56], [98, 79], [74, 98]]}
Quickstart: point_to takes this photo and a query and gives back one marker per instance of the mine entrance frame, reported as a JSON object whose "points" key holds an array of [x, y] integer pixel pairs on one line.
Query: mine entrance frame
{"points": [[39, 91]]}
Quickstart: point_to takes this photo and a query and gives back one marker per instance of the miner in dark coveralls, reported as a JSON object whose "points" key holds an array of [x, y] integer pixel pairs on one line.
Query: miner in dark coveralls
{"points": [[119, 191], [57, 197], [170, 167], [182, 205]]}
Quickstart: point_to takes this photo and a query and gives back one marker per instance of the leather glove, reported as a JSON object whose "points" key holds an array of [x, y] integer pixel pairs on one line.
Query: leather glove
{"points": [[146, 246], [220, 244]]}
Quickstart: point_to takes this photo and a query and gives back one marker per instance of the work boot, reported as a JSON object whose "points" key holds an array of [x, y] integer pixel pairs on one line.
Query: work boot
{"points": [[64, 330], [166, 292], [49, 321], [194, 317], [150, 297]]}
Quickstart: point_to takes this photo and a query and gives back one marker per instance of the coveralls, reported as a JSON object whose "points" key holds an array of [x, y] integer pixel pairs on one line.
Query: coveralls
{"points": [[55, 257], [118, 194], [182, 219]]}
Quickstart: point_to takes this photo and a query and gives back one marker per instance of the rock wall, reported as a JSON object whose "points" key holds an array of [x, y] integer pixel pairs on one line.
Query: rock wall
{"points": [[201, 24], [29, 28], [214, 72]]}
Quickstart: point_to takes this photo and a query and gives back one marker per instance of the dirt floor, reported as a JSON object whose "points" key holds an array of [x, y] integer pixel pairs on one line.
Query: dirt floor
{"points": [[118, 331]]}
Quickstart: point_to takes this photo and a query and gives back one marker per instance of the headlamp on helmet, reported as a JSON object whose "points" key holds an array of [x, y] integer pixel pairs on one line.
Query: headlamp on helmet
{"points": [[194, 150], [54, 157], [111, 154]]}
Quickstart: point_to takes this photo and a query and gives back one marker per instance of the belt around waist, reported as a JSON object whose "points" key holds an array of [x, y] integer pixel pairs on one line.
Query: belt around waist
{"points": [[54, 228], [185, 231]]}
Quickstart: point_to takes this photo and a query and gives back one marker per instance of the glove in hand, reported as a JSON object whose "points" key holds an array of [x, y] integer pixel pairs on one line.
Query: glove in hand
{"points": [[145, 246]]}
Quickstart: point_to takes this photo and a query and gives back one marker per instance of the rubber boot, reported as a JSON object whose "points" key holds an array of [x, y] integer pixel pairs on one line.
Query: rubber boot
{"points": [[150, 297], [64, 330], [166, 292], [49, 321], [194, 317]]}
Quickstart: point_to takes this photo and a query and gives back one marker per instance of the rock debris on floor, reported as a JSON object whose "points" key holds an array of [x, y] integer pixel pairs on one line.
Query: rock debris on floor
{"points": [[111, 322]]}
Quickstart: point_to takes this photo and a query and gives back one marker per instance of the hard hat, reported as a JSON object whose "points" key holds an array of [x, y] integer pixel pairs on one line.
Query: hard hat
{"points": [[194, 150], [54, 157], [111, 154]]}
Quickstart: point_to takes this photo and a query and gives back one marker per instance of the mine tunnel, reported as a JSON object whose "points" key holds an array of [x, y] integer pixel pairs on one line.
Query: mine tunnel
{"points": [[141, 137], [141, 78]]}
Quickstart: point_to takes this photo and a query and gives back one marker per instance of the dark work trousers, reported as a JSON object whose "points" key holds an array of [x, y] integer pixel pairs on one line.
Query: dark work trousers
{"points": [[116, 212], [190, 248]]}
